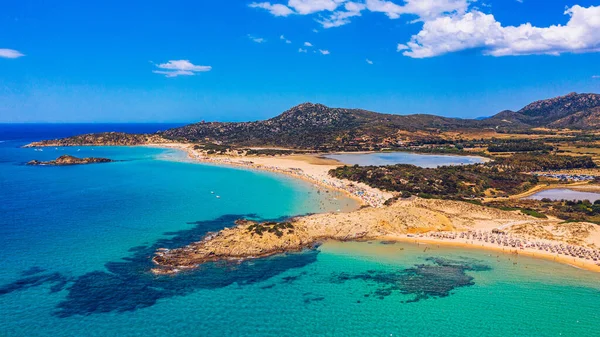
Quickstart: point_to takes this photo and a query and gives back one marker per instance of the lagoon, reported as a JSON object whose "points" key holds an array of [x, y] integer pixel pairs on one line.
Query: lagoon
{"points": [[392, 158], [565, 194]]}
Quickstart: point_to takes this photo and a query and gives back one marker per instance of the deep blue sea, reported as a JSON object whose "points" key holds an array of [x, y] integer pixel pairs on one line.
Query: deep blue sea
{"points": [[76, 244]]}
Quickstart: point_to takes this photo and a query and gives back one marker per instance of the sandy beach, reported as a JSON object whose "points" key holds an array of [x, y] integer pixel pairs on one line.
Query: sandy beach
{"points": [[310, 168], [416, 220], [569, 260], [439, 222]]}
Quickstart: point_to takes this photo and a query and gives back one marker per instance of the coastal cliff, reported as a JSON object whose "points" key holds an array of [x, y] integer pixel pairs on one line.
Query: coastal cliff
{"points": [[66, 160]]}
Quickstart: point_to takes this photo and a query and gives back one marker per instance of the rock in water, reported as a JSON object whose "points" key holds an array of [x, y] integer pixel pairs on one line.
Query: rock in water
{"points": [[71, 160]]}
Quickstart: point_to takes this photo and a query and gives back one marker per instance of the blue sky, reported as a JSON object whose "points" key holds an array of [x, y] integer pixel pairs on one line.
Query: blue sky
{"points": [[120, 61]]}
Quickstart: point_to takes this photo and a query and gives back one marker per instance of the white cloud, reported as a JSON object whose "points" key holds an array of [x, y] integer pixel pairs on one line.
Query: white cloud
{"points": [[401, 47], [478, 30], [307, 44], [369, 61], [300, 50], [302, 7], [10, 53], [312, 6], [324, 52], [176, 68], [275, 9], [455, 25], [284, 39], [596, 76], [339, 12], [340, 18], [424, 9], [256, 39], [315, 31]]}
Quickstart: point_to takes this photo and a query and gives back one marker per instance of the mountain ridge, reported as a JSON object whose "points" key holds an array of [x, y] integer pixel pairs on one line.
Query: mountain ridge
{"points": [[314, 125], [577, 111], [318, 127]]}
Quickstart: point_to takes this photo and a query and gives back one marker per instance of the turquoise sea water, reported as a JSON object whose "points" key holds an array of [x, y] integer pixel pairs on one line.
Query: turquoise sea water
{"points": [[391, 158], [77, 241]]}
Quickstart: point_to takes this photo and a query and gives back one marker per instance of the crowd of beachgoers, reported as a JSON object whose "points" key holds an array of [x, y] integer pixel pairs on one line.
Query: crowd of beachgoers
{"points": [[367, 196], [506, 240]]}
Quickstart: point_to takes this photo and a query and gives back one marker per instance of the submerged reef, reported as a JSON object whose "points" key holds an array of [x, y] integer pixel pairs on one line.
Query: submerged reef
{"points": [[435, 279]]}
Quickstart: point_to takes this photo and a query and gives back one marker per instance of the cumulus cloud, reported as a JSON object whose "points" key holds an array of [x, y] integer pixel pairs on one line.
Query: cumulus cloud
{"points": [[369, 61], [308, 44], [340, 18], [454, 25], [300, 50], [324, 51], [312, 6], [256, 39], [10, 53], [176, 68], [424, 9], [596, 77], [335, 13], [478, 30], [275, 9]]}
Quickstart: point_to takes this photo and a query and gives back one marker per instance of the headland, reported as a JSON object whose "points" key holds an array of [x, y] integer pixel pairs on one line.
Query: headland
{"points": [[434, 221]]}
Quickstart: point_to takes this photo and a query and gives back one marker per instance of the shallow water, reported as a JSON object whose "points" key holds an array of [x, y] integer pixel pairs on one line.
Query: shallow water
{"points": [[565, 194], [391, 158], [77, 243]]}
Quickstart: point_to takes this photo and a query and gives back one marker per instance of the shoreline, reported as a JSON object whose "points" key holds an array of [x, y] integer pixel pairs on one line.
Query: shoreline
{"points": [[294, 167], [482, 246], [247, 163], [318, 175]]}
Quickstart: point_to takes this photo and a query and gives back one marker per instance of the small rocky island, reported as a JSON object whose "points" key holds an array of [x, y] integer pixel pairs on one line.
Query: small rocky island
{"points": [[71, 160]]}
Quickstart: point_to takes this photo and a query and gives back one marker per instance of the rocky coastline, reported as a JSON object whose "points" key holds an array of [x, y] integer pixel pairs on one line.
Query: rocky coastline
{"points": [[411, 219], [67, 160]]}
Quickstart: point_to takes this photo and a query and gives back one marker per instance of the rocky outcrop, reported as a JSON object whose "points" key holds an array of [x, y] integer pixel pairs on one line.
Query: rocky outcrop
{"points": [[251, 240], [70, 160]]}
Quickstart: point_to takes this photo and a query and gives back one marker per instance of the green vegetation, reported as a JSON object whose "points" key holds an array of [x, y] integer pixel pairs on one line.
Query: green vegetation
{"points": [[521, 145], [276, 228], [452, 182], [533, 213], [530, 162], [211, 148], [271, 152], [502, 177], [567, 210]]}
